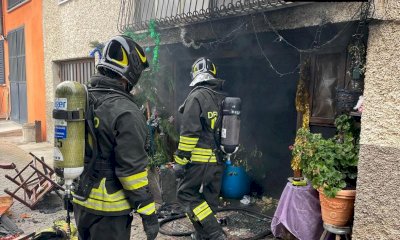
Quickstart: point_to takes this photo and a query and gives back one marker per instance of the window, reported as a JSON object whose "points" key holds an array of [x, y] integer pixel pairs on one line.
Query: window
{"points": [[2, 75], [328, 73], [77, 70], [14, 3]]}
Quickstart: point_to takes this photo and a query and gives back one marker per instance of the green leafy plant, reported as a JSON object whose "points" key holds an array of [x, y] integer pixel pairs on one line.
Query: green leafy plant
{"points": [[330, 164]]}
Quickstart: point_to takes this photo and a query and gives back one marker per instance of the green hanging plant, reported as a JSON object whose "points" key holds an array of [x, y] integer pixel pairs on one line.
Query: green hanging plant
{"points": [[155, 36], [146, 93]]}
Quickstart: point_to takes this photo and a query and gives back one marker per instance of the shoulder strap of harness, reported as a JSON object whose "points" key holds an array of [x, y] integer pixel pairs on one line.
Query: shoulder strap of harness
{"points": [[93, 175], [218, 123], [92, 104]]}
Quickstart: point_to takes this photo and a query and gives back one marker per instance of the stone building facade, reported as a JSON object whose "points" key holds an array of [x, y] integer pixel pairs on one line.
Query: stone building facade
{"points": [[68, 29], [377, 215]]}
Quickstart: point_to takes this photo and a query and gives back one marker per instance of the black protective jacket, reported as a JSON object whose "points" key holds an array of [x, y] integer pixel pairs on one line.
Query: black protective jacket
{"points": [[121, 161], [201, 110]]}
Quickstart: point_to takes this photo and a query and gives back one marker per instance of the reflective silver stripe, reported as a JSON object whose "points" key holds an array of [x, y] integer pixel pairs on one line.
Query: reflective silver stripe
{"points": [[104, 206], [134, 181], [205, 159], [101, 193], [148, 209], [181, 161], [202, 211], [200, 208], [202, 151], [187, 143]]}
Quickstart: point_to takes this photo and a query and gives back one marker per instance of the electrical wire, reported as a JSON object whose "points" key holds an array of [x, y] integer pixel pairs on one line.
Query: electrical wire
{"points": [[280, 74], [364, 7], [362, 10]]}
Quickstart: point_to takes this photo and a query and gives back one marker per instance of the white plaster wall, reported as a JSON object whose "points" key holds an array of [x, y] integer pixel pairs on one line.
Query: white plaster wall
{"points": [[68, 29]]}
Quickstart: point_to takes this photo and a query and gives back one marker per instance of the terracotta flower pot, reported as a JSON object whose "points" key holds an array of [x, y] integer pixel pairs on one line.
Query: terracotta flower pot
{"points": [[297, 173], [339, 210]]}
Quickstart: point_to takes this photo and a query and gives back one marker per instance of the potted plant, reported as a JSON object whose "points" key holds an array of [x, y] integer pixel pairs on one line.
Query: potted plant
{"points": [[331, 166]]}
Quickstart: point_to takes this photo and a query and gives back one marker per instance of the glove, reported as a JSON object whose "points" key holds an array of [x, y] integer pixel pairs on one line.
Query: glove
{"points": [[150, 226], [179, 170]]}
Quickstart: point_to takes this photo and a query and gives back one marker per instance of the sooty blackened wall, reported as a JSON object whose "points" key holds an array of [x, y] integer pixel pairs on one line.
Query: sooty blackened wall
{"points": [[268, 110]]}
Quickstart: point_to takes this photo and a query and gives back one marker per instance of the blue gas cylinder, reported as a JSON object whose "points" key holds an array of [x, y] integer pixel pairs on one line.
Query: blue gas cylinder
{"points": [[235, 182]]}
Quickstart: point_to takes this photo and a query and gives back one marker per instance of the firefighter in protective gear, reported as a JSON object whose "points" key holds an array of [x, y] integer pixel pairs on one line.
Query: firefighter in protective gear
{"points": [[121, 183], [197, 162]]}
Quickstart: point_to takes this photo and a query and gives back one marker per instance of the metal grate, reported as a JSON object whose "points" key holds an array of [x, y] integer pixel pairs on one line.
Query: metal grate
{"points": [[136, 14], [77, 70]]}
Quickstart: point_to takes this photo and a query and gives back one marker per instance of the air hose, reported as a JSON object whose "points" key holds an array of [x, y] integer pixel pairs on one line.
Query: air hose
{"points": [[248, 212]]}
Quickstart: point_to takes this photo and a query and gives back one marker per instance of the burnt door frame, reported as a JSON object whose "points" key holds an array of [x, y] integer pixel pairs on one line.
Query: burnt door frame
{"points": [[17, 75]]}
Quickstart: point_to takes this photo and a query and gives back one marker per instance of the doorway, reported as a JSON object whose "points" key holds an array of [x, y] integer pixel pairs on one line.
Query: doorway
{"points": [[16, 49]]}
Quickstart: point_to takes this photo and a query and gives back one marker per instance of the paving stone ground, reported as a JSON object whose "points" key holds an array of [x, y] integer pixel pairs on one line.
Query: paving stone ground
{"points": [[50, 208]]}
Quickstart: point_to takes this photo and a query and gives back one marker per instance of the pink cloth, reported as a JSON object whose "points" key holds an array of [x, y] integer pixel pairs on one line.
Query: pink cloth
{"points": [[299, 212]]}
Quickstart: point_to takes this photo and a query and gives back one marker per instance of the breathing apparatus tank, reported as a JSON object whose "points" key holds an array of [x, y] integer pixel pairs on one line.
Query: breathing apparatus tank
{"points": [[230, 129], [69, 131]]}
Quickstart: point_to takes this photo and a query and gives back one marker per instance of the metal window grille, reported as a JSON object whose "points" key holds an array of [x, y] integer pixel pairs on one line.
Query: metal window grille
{"points": [[136, 14], [13, 3], [77, 70]]}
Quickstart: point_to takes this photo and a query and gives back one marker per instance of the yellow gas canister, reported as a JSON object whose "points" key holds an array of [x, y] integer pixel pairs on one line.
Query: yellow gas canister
{"points": [[69, 130]]}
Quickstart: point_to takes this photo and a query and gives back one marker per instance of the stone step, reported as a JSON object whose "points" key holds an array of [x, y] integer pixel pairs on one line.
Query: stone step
{"points": [[11, 133], [10, 129]]}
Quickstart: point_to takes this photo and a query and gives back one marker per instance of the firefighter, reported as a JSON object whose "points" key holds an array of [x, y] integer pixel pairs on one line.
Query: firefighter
{"points": [[120, 185], [197, 161]]}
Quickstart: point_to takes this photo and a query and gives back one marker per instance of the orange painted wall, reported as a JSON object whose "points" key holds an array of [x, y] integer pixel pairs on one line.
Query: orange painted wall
{"points": [[29, 15]]}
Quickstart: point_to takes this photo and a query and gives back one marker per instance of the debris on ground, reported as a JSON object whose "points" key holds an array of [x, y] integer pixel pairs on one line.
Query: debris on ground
{"points": [[8, 227], [24, 215], [244, 225], [266, 204], [5, 204], [245, 200]]}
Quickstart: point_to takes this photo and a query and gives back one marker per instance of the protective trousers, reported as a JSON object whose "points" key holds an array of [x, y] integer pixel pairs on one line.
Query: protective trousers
{"points": [[201, 207], [96, 227]]}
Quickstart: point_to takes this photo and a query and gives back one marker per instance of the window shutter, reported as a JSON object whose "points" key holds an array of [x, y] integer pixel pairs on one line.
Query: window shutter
{"points": [[2, 74], [77, 70]]}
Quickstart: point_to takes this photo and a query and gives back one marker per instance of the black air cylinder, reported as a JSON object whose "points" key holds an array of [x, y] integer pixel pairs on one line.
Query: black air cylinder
{"points": [[230, 124]]}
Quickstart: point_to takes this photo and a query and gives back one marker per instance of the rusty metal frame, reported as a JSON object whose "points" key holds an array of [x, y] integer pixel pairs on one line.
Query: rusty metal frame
{"points": [[33, 182]]}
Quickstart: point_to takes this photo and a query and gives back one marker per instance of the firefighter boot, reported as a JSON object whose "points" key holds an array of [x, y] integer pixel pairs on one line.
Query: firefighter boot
{"points": [[220, 235], [199, 233], [214, 231]]}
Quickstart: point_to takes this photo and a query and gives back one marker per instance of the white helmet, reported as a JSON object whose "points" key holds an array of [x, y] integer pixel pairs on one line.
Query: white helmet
{"points": [[202, 70]]}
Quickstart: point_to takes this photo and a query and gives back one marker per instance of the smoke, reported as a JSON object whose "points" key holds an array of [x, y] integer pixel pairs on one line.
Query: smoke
{"points": [[268, 99]]}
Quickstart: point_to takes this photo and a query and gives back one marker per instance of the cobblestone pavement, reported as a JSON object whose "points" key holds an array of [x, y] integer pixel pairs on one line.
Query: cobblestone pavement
{"points": [[50, 208]]}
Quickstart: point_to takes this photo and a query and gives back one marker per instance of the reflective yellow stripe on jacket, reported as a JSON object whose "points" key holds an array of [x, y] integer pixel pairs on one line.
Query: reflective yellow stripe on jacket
{"points": [[181, 161], [202, 211], [187, 143], [134, 181], [203, 155], [100, 200], [148, 209]]}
